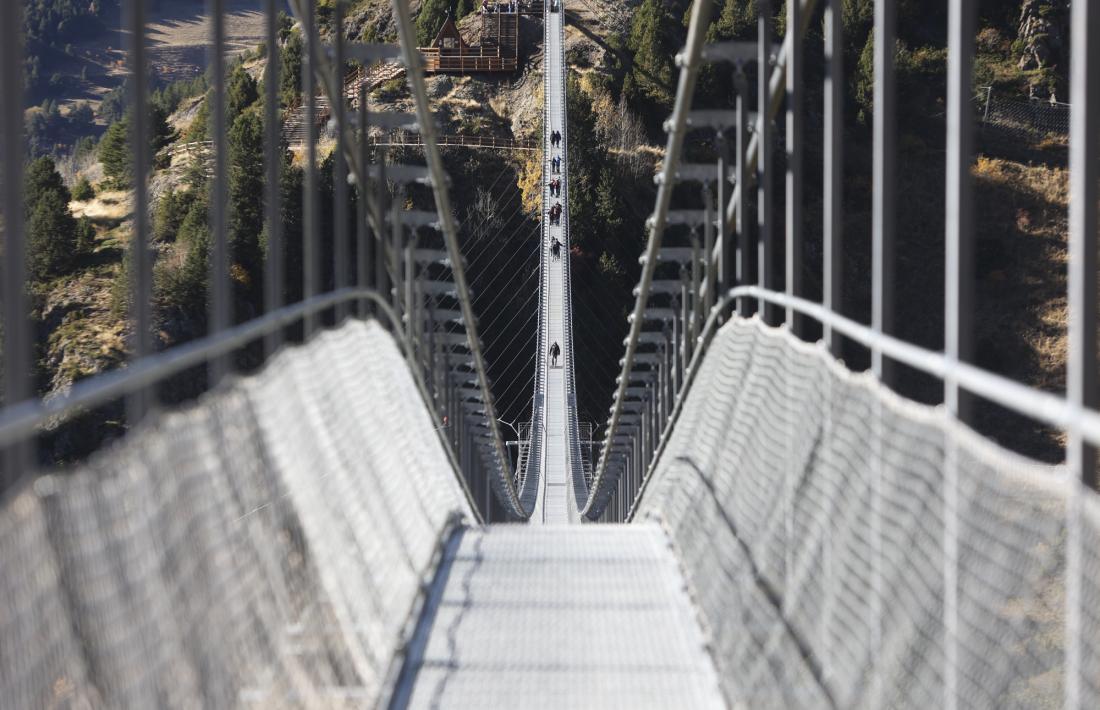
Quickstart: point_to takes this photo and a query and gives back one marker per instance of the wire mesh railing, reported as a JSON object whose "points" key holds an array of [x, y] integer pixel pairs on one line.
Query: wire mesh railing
{"points": [[400, 265], [1034, 118], [776, 485]]}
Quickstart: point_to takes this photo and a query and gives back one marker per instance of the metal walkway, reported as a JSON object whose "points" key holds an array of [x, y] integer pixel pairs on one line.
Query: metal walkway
{"points": [[555, 398], [559, 617]]}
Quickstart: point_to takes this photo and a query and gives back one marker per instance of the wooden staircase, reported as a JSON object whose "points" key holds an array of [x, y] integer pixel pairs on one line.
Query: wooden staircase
{"points": [[294, 127]]}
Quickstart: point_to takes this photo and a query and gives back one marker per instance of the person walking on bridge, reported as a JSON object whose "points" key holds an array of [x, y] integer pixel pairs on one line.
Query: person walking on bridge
{"points": [[555, 249], [554, 352]]}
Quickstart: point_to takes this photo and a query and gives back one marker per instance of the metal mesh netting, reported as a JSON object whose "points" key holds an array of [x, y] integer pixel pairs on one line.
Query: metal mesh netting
{"points": [[265, 548], [1034, 118], [817, 515]]}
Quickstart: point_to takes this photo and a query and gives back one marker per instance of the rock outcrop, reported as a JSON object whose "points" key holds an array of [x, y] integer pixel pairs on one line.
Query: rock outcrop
{"points": [[1042, 39]]}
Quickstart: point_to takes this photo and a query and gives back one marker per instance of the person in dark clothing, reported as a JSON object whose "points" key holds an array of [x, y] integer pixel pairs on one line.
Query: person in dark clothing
{"points": [[555, 249], [554, 352]]}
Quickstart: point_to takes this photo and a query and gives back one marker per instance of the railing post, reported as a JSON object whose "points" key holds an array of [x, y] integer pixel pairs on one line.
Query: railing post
{"points": [[363, 238], [958, 302], [409, 278], [1081, 366], [396, 239], [381, 259], [696, 302], [708, 253], [142, 277], [339, 165], [16, 352], [433, 385], [741, 85], [885, 187], [685, 317], [764, 236], [273, 265], [220, 287], [833, 236], [677, 353], [793, 206], [311, 231], [726, 256]]}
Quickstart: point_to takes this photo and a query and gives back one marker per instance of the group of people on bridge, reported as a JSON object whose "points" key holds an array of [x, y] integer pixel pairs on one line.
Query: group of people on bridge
{"points": [[511, 6], [555, 187], [555, 213]]}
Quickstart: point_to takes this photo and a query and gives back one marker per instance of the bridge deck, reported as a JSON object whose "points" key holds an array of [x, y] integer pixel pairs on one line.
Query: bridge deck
{"points": [[556, 502], [563, 617]]}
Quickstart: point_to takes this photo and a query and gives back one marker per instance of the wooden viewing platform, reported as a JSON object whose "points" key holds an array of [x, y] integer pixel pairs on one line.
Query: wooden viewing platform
{"points": [[497, 50]]}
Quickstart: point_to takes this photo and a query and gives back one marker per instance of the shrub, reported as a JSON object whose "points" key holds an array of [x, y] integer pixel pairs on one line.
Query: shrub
{"points": [[83, 190]]}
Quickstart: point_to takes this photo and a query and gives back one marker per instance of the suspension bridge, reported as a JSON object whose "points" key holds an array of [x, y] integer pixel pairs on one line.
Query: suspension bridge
{"points": [[763, 527]]}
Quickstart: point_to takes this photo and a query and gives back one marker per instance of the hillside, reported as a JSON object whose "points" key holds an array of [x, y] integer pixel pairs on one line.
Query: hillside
{"points": [[620, 91]]}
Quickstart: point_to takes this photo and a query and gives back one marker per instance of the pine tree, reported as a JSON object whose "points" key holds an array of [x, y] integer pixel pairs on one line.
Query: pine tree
{"points": [[181, 289], [246, 186], [114, 153], [290, 72], [51, 237], [51, 229], [433, 13], [85, 236], [42, 177], [168, 215], [83, 190], [653, 46], [241, 92]]}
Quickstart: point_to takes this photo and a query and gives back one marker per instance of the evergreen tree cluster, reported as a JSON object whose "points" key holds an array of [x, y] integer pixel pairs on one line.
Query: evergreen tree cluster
{"points": [[52, 25], [54, 237], [181, 219], [115, 151], [432, 15]]}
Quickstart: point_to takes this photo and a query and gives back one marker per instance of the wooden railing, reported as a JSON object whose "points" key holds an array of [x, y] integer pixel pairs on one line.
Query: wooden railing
{"points": [[410, 138], [487, 62]]}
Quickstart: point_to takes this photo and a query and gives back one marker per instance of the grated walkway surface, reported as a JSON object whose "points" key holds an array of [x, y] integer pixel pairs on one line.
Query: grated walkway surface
{"points": [[560, 617], [555, 499]]}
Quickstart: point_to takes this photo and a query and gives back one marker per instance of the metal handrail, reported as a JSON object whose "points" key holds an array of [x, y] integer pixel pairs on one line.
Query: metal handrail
{"points": [[531, 483], [1045, 407], [25, 418], [576, 466]]}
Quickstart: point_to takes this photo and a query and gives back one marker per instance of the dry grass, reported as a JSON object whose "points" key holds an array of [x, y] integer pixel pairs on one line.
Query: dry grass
{"points": [[1022, 260], [107, 206]]}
